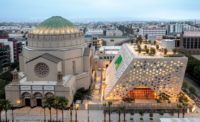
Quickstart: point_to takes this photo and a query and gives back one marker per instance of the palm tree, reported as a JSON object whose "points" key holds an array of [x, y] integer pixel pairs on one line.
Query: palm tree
{"points": [[6, 107], [1, 107], [76, 108], [56, 105], [184, 107], [179, 106], [124, 109], [104, 106], [49, 104], [109, 105], [63, 105], [141, 114], [119, 108]]}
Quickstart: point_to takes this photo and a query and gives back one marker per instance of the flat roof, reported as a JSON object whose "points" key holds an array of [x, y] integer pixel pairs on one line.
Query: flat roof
{"points": [[159, 53], [191, 34], [109, 48]]}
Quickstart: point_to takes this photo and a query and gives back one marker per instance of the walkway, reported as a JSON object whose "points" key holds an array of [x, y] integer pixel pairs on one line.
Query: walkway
{"points": [[94, 116]]}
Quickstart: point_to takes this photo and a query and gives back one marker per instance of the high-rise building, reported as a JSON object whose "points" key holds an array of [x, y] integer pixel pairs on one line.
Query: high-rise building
{"points": [[4, 57]]}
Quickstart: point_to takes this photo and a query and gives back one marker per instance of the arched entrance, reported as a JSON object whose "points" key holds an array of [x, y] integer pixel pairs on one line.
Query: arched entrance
{"points": [[142, 92], [49, 94], [27, 99], [38, 98]]}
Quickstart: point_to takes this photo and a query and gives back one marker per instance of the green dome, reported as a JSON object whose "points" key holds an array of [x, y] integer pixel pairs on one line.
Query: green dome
{"points": [[56, 25], [56, 22]]}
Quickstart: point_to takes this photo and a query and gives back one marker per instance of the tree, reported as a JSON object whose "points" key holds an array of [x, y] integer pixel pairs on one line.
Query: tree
{"points": [[179, 106], [76, 108], [157, 47], [56, 105], [139, 39], [7, 76], [154, 42], [119, 108], [49, 102], [163, 97], [165, 51], [182, 98], [109, 105], [192, 90], [184, 107], [149, 41], [147, 51], [145, 47], [124, 109], [152, 51], [1, 107], [139, 48], [104, 106], [185, 85], [3, 83], [174, 51], [151, 116], [63, 102], [196, 71], [141, 114], [6, 107]]}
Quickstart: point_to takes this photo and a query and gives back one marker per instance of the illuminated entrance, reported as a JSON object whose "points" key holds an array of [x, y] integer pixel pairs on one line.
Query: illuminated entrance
{"points": [[141, 93]]}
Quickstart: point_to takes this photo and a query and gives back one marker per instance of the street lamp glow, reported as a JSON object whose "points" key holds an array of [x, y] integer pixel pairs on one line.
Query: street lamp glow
{"points": [[18, 101]]}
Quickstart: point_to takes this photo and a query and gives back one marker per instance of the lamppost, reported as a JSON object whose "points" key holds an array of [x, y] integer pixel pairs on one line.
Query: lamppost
{"points": [[12, 108], [44, 113], [71, 108]]}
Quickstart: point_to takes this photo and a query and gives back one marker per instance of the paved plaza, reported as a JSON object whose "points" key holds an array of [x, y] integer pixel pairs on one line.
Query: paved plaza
{"points": [[94, 115]]}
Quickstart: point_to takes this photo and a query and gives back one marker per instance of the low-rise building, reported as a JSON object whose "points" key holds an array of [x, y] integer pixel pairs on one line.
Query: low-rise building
{"points": [[168, 44], [153, 33], [190, 42]]}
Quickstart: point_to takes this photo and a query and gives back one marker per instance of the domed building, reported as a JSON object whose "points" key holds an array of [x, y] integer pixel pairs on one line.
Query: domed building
{"points": [[56, 62]]}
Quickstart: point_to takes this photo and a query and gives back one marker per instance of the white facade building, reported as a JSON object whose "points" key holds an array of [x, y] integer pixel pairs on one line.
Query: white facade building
{"points": [[153, 33], [130, 70], [94, 32], [114, 33], [168, 44]]}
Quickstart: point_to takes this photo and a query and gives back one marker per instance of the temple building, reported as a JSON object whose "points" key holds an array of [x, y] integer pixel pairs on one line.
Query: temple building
{"points": [[141, 75], [56, 62]]}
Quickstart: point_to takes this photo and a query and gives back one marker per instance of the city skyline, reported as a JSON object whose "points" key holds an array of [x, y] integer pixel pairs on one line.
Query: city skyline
{"points": [[100, 10]]}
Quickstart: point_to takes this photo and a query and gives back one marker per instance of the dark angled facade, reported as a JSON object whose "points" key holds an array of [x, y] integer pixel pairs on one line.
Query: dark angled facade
{"points": [[190, 42]]}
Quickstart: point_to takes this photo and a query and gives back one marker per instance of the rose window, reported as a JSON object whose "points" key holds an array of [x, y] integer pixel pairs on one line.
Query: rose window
{"points": [[41, 69]]}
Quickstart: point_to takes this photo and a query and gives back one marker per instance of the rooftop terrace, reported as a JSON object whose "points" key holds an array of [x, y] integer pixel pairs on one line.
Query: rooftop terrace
{"points": [[150, 50]]}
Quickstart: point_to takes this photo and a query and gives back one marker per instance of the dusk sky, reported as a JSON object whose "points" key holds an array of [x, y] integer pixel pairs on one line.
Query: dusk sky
{"points": [[80, 10]]}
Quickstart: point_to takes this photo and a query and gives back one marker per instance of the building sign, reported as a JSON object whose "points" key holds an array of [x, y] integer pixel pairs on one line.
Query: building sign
{"points": [[24, 88], [36, 88], [48, 87]]}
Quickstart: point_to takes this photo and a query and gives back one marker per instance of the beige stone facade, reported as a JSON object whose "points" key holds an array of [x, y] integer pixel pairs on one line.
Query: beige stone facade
{"points": [[51, 65]]}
